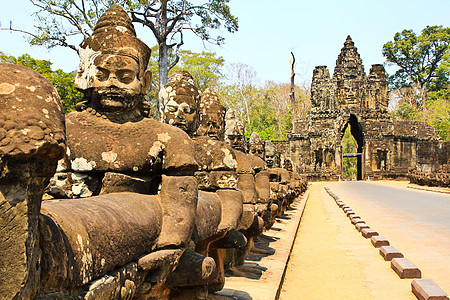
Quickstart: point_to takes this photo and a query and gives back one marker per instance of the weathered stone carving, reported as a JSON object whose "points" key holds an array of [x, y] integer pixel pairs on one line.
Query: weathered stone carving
{"points": [[270, 155], [386, 148], [217, 178], [234, 131], [212, 116], [256, 145], [144, 169], [180, 101], [32, 139]]}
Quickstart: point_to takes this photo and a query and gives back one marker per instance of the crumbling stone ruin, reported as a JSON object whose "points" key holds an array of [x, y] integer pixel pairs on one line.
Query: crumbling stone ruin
{"points": [[387, 148], [137, 209]]}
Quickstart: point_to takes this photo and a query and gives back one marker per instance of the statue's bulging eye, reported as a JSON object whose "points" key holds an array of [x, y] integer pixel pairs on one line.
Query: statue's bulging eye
{"points": [[188, 109], [172, 108], [102, 74], [126, 76]]}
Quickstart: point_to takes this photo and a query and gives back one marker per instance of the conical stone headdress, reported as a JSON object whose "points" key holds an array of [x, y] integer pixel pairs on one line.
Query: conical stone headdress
{"points": [[114, 34]]}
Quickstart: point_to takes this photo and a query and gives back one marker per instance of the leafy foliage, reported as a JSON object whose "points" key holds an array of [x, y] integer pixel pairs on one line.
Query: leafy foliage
{"points": [[420, 87], [63, 82], [349, 145], [423, 60], [263, 109]]}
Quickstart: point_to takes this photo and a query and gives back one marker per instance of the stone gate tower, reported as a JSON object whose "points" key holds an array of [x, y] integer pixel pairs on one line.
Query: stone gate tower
{"points": [[386, 148]]}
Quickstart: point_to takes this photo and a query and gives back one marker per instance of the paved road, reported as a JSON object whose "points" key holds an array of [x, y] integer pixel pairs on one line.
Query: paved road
{"points": [[331, 260], [415, 222]]}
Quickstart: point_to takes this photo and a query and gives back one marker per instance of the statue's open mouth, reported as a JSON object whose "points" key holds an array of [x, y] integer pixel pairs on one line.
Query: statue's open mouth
{"points": [[180, 124]]}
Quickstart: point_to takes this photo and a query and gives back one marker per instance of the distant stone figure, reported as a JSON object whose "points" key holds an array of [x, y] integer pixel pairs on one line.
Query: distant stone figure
{"points": [[202, 118], [32, 140], [180, 101], [234, 130], [270, 155], [256, 145], [212, 116]]}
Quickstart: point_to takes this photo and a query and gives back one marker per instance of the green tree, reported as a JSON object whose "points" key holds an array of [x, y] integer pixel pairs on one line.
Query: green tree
{"points": [[63, 82], [438, 112], [264, 109], [423, 60], [205, 67], [349, 145]]}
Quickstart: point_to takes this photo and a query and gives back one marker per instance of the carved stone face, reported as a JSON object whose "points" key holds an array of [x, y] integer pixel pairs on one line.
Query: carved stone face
{"points": [[236, 141], [270, 154], [257, 150], [181, 112], [212, 116], [116, 85], [256, 145], [234, 131], [179, 99], [211, 125], [113, 71]]}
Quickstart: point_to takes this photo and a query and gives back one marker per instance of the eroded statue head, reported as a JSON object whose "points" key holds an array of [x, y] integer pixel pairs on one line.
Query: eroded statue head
{"points": [[212, 116], [234, 130], [113, 71], [270, 154], [256, 145], [180, 100]]}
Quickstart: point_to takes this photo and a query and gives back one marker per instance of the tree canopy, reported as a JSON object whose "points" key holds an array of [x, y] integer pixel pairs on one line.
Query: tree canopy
{"points": [[420, 86], [422, 61]]}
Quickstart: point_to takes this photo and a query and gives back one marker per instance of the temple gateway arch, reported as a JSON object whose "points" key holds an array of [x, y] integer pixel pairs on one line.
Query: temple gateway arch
{"points": [[386, 148]]}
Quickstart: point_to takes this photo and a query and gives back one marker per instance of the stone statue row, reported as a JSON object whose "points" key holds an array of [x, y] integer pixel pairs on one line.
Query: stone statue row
{"points": [[137, 209], [439, 178]]}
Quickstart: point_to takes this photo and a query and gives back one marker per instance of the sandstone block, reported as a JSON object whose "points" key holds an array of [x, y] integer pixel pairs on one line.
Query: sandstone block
{"points": [[360, 226], [357, 220], [231, 201], [389, 252], [405, 268], [353, 215], [427, 289], [216, 180], [378, 241], [246, 184], [368, 233]]}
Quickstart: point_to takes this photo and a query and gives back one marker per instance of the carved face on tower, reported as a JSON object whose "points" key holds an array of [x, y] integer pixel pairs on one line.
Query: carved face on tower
{"points": [[212, 116], [234, 131], [256, 145], [270, 154], [180, 102], [113, 71]]}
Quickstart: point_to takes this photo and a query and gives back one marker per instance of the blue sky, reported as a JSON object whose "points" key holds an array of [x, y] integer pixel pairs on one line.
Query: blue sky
{"points": [[313, 30]]}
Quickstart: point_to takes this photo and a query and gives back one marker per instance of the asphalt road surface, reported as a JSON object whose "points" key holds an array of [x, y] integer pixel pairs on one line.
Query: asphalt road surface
{"points": [[417, 223]]}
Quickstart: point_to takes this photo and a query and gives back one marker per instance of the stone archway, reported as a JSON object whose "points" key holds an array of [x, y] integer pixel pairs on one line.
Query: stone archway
{"points": [[387, 148], [358, 135]]}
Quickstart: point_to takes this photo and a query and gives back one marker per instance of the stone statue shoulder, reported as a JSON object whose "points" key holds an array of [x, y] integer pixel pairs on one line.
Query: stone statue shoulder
{"points": [[146, 146], [214, 155], [258, 163], [244, 162]]}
